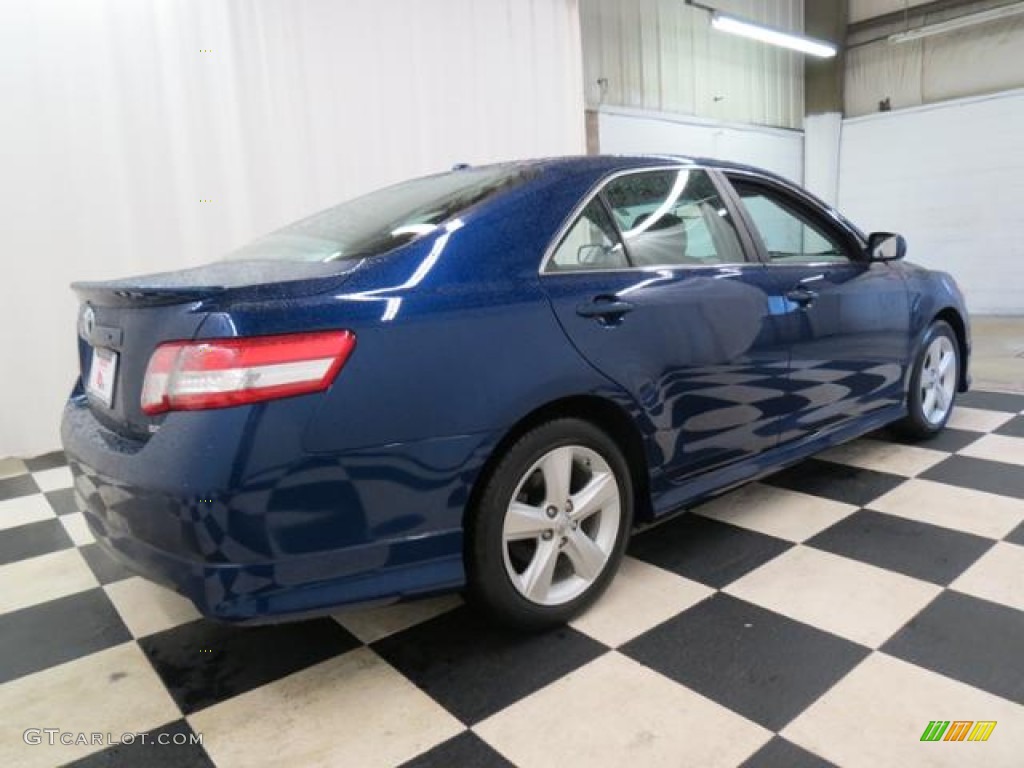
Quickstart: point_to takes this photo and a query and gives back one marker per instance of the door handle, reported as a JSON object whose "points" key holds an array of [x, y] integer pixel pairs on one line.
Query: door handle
{"points": [[802, 295], [607, 309]]}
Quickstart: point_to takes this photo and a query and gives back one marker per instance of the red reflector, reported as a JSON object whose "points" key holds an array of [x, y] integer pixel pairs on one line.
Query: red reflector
{"points": [[222, 372]]}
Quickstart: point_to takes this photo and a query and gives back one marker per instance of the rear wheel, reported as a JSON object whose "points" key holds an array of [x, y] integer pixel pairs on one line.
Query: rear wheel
{"points": [[933, 383], [551, 525]]}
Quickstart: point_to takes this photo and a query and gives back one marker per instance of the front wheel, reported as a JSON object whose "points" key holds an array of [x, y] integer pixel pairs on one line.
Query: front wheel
{"points": [[551, 525], [933, 383]]}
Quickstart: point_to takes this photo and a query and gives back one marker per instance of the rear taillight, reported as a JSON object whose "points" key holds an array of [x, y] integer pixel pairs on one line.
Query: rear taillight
{"points": [[193, 375]]}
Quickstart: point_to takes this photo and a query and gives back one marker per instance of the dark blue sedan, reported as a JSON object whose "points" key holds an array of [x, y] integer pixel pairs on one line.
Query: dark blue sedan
{"points": [[487, 378]]}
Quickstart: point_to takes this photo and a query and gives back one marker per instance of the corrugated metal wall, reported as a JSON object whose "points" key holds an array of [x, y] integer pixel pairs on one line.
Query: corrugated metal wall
{"points": [[967, 62], [663, 55]]}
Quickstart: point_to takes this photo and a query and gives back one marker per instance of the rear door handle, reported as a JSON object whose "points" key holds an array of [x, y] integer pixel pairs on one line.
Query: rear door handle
{"points": [[607, 309], [802, 295]]}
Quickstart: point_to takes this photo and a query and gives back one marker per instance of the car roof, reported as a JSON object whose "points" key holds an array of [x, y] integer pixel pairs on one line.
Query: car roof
{"points": [[624, 162], [603, 164]]}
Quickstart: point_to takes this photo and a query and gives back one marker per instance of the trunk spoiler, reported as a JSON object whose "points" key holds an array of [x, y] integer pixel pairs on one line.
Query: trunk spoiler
{"points": [[258, 280]]}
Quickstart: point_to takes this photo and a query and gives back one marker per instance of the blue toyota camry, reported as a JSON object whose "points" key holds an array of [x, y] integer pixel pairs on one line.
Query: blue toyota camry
{"points": [[486, 378]]}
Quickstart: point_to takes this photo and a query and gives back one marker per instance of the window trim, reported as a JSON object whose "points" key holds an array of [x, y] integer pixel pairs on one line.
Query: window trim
{"points": [[747, 246], [815, 213]]}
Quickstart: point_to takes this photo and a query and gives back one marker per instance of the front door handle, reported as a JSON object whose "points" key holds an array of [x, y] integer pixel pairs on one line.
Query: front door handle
{"points": [[802, 295], [607, 309]]}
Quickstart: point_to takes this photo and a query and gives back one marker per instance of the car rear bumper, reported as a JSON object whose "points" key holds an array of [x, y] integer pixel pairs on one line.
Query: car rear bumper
{"points": [[249, 540]]}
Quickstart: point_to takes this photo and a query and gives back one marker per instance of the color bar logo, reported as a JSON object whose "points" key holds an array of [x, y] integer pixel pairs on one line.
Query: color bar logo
{"points": [[958, 730]]}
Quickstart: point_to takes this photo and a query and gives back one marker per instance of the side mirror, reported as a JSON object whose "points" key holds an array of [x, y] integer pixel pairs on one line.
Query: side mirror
{"points": [[886, 246], [592, 254]]}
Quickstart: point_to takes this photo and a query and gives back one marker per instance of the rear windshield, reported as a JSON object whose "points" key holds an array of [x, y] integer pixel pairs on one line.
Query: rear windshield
{"points": [[385, 219]]}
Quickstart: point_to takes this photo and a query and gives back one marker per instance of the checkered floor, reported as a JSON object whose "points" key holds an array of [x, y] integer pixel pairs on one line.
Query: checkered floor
{"points": [[821, 617]]}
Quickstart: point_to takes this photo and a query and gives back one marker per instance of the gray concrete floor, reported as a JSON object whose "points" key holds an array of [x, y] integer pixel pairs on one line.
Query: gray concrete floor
{"points": [[997, 357]]}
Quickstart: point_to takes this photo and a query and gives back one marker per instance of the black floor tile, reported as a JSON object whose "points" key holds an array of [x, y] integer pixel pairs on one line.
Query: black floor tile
{"points": [[839, 482], [1016, 536], [916, 549], [1013, 428], [706, 550], [466, 749], [105, 568], [475, 668], [33, 539], [948, 440], [19, 485], [46, 461], [979, 474], [971, 640], [176, 751], [57, 631], [758, 663], [204, 662], [63, 501], [992, 401], [779, 753]]}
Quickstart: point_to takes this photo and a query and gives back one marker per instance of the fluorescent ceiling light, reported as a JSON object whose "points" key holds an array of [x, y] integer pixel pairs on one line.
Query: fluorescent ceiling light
{"points": [[970, 20], [754, 31]]}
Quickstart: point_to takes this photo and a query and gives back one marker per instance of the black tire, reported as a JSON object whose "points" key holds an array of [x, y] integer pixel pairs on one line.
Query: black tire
{"points": [[490, 584], [916, 424]]}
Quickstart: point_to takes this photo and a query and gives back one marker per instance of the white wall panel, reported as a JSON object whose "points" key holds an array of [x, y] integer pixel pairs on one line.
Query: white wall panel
{"points": [[637, 132], [662, 55], [950, 178], [822, 135], [115, 125]]}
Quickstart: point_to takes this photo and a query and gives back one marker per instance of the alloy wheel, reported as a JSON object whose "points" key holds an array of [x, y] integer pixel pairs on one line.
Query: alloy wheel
{"points": [[560, 528], [938, 380]]}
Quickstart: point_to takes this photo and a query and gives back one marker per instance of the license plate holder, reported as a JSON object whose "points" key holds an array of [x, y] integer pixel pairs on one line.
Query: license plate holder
{"points": [[102, 375]]}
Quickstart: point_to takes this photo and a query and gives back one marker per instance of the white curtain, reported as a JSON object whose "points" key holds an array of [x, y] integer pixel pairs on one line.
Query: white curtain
{"points": [[139, 135]]}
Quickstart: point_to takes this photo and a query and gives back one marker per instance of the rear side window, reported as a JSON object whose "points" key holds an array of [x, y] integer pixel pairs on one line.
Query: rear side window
{"points": [[386, 219], [591, 243], [673, 218]]}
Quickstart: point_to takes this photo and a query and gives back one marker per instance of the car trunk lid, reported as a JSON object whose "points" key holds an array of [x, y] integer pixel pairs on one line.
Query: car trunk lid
{"points": [[121, 322]]}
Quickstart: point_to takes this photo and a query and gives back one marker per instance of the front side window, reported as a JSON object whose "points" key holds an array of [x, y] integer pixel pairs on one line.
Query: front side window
{"points": [[673, 218], [789, 236]]}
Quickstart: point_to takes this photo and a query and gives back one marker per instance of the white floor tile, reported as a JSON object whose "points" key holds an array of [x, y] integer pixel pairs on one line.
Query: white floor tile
{"points": [[114, 691], [896, 459], [53, 479], [848, 598], [373, 624], [998, 575], [976, 419], [776, 511], [962, 509], [23, 510], [147, 608], [875, 717], [353, 709], [77, 529], [1009, 450], [616, 712], [47, 577], [12, 467], [640, 597]]}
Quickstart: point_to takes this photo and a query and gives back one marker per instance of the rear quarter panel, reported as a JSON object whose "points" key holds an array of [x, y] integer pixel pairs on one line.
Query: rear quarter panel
{"points": [[454, 335]]}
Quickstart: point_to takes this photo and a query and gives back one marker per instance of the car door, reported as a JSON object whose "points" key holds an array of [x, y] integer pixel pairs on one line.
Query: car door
{"points": [[651, 281], [846, 319]]}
